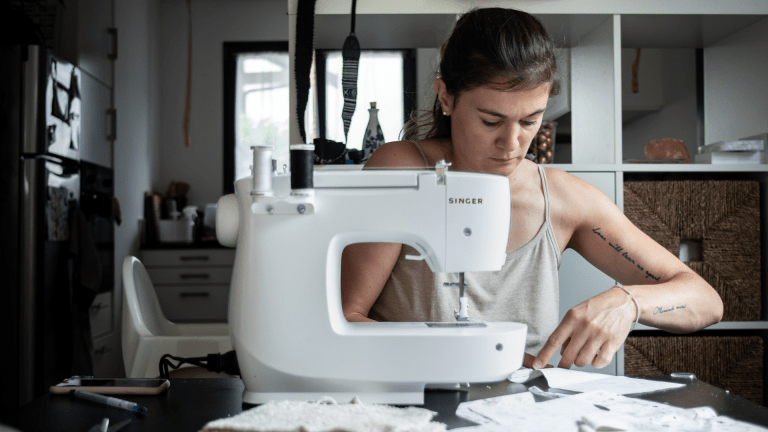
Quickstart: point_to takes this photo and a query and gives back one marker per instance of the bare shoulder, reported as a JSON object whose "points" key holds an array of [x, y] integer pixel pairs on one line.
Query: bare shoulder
{"points": [[567, 188], [396, 154], [575, 201]]}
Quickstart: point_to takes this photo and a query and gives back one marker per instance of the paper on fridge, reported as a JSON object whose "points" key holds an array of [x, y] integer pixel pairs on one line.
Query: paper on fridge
{"points": [[578, 381]]}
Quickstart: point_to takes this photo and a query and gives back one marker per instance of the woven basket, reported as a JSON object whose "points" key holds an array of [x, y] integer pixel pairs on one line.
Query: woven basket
{"points": [[732, 363], [724, 216]]}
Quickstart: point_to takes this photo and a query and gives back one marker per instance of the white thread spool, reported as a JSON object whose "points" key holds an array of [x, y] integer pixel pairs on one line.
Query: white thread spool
{"points": [[262, 170]]}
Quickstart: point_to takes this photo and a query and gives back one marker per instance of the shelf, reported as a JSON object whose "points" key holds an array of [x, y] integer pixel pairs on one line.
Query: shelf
{"points": [[680, 31], [723, 325], [692, 168], [674, 168]]}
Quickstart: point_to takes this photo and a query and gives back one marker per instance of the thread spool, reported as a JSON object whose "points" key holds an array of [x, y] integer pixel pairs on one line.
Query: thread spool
{"points": [[302, 169], [262, 170]]}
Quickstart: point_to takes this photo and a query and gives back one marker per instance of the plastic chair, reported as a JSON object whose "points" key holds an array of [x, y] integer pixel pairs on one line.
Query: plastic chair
{"points": [[148, 335]]}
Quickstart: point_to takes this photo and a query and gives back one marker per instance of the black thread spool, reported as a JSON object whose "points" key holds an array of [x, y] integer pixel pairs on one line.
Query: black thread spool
{"points": [[302, 169]]}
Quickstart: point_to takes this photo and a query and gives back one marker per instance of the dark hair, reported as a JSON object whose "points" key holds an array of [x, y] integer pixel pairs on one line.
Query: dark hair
{"points": [[505, 49]]}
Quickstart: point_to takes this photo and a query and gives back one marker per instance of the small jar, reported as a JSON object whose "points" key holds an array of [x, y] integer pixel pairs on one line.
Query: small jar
{"points": [[543, 144]]}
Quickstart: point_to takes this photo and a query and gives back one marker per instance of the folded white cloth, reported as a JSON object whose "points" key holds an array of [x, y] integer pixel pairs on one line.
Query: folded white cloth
{"points": [[326, 415]]}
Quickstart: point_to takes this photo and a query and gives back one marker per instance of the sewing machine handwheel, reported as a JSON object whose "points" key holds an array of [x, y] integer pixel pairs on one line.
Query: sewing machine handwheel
{"points": [[227, 220]]}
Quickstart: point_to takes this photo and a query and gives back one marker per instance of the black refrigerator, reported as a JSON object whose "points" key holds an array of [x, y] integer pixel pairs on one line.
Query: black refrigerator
{"points": [[51, 265]]}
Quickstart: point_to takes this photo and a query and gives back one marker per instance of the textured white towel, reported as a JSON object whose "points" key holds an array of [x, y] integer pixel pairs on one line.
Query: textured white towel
{"points": [[326, 415]]}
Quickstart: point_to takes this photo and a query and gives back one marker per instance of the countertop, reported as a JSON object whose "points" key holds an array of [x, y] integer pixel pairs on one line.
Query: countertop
{"points": [[190, 403]]}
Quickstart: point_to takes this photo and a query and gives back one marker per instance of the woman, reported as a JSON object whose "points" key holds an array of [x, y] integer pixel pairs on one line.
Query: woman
{"points": [[496, 73]]}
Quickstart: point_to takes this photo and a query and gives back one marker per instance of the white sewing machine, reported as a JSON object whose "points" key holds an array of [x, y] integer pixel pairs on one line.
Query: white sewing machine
{"points": [[285, 313]]}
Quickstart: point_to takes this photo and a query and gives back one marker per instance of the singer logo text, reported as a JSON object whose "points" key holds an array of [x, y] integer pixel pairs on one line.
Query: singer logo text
{"points": [[465, 200]]}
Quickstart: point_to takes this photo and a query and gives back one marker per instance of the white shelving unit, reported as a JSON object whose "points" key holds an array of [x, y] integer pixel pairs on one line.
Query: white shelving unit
{"points": [[733, 39]]}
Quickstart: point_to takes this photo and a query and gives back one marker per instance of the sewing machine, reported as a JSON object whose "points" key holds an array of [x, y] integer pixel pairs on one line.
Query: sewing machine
{"points": [[285, 312]]}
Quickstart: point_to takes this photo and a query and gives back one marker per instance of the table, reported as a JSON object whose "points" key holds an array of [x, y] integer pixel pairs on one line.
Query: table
{"points": [[190, 403]]}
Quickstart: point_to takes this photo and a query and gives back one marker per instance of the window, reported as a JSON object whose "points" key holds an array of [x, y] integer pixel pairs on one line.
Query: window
{"points": [[386, 77], [255, 104], [256, 99]]}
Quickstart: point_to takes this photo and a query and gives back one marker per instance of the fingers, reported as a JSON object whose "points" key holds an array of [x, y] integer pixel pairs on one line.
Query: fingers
{"points": [[528, 360], [588, 352], [605, 356], [556, 340], [575, 346]]}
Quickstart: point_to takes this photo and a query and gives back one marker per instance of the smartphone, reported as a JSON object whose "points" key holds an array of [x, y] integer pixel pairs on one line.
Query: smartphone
{"points": [[112, 386]]}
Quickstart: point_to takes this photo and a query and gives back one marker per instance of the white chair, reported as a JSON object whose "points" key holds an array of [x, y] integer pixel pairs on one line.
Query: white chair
{"points": [[148, 335]]}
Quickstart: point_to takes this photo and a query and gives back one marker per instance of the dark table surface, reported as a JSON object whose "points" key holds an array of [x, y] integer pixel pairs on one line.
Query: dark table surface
{"points": [[190, 403]]}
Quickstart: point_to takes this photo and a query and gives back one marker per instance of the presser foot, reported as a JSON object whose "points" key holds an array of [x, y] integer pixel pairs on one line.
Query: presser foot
{"points": [[460, 317]]}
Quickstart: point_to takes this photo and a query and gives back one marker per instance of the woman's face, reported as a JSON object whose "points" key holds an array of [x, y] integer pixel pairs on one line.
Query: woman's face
{"points": [[492, 129]]}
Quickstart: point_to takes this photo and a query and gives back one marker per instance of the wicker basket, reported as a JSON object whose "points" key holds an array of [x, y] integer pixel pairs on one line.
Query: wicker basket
{"points": [[724, 216], [732, 363]]}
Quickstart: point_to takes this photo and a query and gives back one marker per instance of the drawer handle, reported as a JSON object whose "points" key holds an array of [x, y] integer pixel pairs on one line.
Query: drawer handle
{"points": [[194, 276], [195, 258], [193, 294]]}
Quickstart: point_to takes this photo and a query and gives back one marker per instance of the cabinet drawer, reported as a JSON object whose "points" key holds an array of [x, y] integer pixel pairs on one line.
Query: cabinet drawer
{"points": [[101, 314], [198, 303], [188, 257], [191, 276]]}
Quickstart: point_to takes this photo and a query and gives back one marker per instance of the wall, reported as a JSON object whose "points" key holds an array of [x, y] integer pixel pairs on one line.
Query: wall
{"points": [[427, 63], [213, 22], [734, 77], [676, 118], [136, 98]]}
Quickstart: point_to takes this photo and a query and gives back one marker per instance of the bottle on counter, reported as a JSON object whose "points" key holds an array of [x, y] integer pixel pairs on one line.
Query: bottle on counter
{"points": [[373, 137]]}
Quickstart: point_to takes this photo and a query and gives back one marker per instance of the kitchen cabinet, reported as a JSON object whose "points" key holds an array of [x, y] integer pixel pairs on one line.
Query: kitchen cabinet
{"points": [[95, 51], [97, 129], [192, 285], [725, 46], [96, 39]]}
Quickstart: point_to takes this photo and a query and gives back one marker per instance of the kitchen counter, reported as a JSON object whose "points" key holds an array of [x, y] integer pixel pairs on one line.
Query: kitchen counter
{"points": [[206, 244], [191, 403]]}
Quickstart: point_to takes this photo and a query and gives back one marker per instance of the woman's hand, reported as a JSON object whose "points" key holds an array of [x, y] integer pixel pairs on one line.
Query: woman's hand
{"points": [[528, 361], [591, 332]]}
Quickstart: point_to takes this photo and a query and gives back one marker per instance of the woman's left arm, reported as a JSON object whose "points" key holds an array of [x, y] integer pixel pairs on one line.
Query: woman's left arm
{"points": [[670, 295]]}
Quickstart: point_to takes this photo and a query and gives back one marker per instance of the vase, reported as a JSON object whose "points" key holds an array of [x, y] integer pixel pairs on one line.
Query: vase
{"points": [[373, 137]]}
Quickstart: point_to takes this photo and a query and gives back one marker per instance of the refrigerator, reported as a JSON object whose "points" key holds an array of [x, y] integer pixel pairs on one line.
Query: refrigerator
{"points": [[51, 265]]}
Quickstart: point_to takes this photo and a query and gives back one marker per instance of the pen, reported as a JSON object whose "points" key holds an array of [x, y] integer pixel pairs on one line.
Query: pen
{"points": [[107, 400]]}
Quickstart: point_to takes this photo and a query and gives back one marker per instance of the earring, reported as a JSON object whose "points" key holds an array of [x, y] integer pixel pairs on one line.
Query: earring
{"points": [[445, 113]]}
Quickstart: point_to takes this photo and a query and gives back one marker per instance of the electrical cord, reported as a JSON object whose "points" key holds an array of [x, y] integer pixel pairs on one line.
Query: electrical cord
{"points": [[216, 362]]}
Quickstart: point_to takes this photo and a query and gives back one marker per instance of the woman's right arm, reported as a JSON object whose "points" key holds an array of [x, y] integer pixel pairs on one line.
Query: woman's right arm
{"points": [[365, 267]]}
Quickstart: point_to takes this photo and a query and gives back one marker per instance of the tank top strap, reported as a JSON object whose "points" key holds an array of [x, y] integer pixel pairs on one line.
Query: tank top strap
{"points": [[546, 192], [418, 146]]}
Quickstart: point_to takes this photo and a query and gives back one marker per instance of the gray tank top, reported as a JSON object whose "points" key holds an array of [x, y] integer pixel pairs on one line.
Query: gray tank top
{"points": [[525, 290]]}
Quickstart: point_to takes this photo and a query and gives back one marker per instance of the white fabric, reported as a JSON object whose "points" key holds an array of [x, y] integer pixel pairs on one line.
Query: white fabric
{"points": [[327, 416]]}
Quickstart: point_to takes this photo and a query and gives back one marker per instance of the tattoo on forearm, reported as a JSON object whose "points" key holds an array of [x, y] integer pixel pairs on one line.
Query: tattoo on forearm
{"points": [[597, 231], [660, 310], [626, 256]]}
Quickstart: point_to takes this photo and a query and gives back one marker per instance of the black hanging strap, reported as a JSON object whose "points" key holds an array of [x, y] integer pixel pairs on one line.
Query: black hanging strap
{"points": [[351, 56], [304, 49]]}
